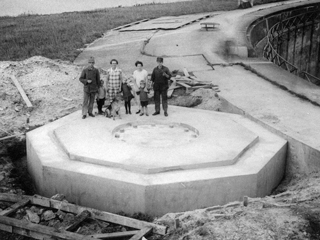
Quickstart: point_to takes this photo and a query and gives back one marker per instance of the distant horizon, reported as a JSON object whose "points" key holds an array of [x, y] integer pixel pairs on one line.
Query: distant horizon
{"points": [[15, 8]]}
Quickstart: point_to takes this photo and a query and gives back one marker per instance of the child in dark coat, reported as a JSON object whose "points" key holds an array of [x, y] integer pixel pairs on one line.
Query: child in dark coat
{"points": [[127, 95], [143, 92]]}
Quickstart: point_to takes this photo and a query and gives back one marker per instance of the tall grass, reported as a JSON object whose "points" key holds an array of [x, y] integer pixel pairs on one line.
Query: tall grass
{"points": [[60, 35]]}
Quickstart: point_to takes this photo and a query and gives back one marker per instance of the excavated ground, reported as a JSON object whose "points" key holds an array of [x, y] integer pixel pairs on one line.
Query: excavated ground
{"points": [[54, 90]]}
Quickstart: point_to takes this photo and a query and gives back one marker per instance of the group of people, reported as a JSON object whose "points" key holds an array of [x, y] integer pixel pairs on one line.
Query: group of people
{"points": [[133, 87]]}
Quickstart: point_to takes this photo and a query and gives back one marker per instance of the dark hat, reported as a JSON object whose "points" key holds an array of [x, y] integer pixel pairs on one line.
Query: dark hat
{"points": [[91, 59], [160, 59]]}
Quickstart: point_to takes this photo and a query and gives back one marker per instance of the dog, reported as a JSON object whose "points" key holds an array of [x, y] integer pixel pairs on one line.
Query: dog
{"points": [[114, 108]]}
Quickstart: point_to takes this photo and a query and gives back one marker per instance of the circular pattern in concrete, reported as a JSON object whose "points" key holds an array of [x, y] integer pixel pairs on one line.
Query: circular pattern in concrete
{"points": [[156, 135]]}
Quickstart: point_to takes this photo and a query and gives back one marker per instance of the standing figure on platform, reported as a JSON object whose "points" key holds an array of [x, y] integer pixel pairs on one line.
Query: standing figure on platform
{"points": [[90, 78], [160, 77], [127, 95], [143, 93], [114, 79], [101, 97], [139, 75]]}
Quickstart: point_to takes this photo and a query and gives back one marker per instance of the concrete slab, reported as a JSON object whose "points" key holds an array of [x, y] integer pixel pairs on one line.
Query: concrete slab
{"points": [[84, 160], [280, 111], [152, 146], [167, 23]]}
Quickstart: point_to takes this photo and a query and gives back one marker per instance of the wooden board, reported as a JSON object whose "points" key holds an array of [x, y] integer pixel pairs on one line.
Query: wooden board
{"points": [[114, 235], [38, 231], [141, 233], [14, 207], [21, 91], [96, 214], [106, 216]]}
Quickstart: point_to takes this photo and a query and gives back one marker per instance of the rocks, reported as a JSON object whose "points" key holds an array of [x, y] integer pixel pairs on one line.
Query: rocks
{"points": [[48, 215], [32, 217]]}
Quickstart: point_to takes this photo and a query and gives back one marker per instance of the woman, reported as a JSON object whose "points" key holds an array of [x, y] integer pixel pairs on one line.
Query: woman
{"points": [[114, 79], [139, 74]]}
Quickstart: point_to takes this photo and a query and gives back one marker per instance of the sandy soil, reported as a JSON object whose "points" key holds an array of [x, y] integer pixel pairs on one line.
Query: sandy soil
{"points": [[54, 90]]}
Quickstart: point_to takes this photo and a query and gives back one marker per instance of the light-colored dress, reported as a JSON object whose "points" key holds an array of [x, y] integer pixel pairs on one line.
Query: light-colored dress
{"points": [[114, 81], [140, 75]]}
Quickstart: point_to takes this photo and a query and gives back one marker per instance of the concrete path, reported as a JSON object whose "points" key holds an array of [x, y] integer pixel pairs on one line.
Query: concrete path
{"points": [[273, 103]]}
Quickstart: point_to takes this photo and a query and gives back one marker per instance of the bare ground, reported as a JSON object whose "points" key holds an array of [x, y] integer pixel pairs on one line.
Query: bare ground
{"points": [[54, 90]]}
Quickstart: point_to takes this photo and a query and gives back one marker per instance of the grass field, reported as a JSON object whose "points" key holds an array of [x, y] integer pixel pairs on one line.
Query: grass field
{"points": [[58, 36]]}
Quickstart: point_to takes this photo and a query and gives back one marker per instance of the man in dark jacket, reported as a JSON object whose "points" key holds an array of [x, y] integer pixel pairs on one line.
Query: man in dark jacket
{"points": [[160, 77], [90, 78]]}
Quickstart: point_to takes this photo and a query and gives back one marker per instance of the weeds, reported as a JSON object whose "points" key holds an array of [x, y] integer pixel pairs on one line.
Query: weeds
{"points": [[61, 35]]}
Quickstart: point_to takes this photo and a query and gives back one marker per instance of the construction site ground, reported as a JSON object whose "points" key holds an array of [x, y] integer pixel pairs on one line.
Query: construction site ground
{"points": [[292, 212]]}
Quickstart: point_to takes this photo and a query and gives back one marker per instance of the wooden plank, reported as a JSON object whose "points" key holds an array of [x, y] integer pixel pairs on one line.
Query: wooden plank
{"points": [[186, 73], [6, 228], [201, 86], [78, 219], [184, 85], [8, 137], [114, 235], [12, 197], [39, 200], [14, 207], [106, 216], [21, 91], [39, 231], [141, 233]]}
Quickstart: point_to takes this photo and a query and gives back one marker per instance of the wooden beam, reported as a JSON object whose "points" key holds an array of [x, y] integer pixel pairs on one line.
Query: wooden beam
{"points": [[7, 197], [184, 85], [78, 219], [186, 73], [21, 91], [14, 207], [114, 235], [99, 215], [38, 231], [8, 137], [141, 233], [105, 216]]}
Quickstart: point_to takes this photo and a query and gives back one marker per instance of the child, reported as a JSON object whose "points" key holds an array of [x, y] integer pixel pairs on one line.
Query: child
{"points": [[101, 96], [143, 92], [127, 95]]}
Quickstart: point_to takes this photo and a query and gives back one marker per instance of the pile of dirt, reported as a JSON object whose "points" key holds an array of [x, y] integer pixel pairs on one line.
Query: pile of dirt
{"points": [[294, 214], [52, 86]]}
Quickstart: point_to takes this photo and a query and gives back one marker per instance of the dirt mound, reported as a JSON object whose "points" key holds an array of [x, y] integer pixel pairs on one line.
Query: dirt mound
{"points": [[52, 86]]}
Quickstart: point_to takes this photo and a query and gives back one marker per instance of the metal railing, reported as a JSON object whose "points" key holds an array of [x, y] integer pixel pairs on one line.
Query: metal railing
{"points": [[274, 37]]}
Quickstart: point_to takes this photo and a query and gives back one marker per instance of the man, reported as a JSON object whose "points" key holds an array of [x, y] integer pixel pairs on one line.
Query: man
{"points": [[160, 77], [90, 78]]}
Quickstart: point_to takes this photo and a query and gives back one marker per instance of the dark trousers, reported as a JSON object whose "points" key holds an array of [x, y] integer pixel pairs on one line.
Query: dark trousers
{"points": [[88, 100], [100, 103], [161, 91], [127, 105]]}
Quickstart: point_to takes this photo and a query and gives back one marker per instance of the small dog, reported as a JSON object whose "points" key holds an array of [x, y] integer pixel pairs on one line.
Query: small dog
{"points": [[114, 108]]}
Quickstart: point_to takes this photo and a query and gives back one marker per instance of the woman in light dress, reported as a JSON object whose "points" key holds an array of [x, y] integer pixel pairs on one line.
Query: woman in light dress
{"points": [[114, 79], [139, 74]]}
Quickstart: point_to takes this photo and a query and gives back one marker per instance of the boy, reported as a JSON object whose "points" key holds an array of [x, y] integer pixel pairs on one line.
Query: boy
{"points": [[101, 97], [143, 92]]}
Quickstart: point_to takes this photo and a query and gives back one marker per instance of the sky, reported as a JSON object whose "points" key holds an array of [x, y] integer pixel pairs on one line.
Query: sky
{"points": [[18, 7]]}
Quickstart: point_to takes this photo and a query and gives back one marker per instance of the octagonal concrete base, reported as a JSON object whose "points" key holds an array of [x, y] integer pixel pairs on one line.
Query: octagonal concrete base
{"points": [[156, 164]]}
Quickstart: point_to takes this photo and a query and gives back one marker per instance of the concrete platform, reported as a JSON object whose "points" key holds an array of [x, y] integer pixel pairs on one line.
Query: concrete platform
{"points": [[167, 23], [156, 164]]}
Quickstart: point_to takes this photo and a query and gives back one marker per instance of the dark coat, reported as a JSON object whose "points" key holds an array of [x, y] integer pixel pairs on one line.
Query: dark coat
{"points": [[90, 74]]}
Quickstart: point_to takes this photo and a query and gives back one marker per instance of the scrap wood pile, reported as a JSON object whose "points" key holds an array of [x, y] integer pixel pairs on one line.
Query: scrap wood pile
{"points": [[43, 218], [189, 82]]}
